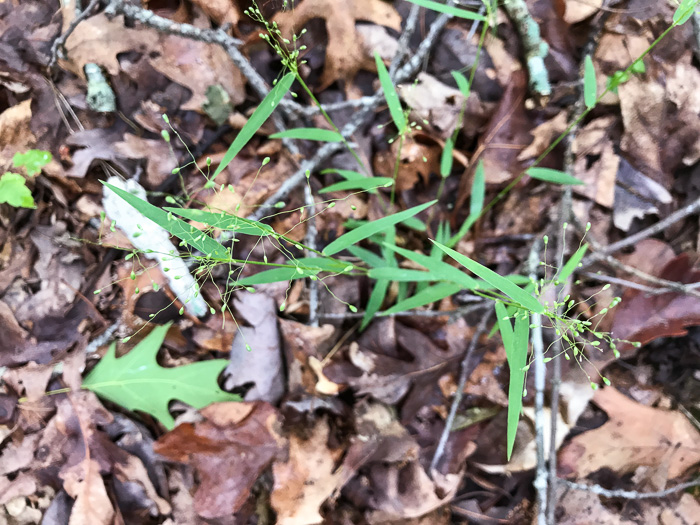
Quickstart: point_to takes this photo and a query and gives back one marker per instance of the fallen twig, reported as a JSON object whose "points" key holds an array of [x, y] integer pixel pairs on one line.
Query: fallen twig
{"points": [[466, 369], [536, 49], [629, 494], [58, 45], [660, 226]]}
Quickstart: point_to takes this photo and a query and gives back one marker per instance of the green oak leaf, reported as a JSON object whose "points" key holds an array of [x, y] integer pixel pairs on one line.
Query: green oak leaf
{"points": [[137, 382]]}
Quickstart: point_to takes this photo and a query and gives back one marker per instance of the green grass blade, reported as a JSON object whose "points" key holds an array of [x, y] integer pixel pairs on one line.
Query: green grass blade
{"points": [[371, 228], [177, 227], [571, 264], [390, 94], [439, 268], [446, 159], [684, 11], [517, 376], [589, 82], [366, 256], [449, 10], [505, 327], [476, 199], [502, 284], [462, 82], [476, 204], [376, 299], [427, 296], [402, 275], [256, 120], [321, 135], [346, 174], [276, 275], [366, 184], [555, 176], [224, 221]]}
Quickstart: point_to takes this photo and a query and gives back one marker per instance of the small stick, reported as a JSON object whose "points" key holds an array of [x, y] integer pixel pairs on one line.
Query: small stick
{"points": [[467, 367], [58, 45], [629, 494]]}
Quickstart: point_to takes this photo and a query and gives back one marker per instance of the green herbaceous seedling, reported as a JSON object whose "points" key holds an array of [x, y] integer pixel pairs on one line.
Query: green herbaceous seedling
{"points": [[515, 297], [13, 186]]}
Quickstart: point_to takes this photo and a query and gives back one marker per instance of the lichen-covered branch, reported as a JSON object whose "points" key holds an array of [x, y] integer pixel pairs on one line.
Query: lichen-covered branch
{"points": [[536, 49]]}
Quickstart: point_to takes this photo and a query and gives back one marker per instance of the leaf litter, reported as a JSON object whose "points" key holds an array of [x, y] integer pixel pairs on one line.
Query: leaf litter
{"points": [[338, 424]]}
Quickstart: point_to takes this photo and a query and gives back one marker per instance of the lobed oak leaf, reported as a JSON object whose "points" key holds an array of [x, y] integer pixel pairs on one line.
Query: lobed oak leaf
{"points": [[137, 382], [344, 54]]}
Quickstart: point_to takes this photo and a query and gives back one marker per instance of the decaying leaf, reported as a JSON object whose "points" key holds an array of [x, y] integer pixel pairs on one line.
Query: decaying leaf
{"points": [[307, 479], [195, 65], [256, 357], [344, 57], [634, 435], [229, 449], [643, 318]]}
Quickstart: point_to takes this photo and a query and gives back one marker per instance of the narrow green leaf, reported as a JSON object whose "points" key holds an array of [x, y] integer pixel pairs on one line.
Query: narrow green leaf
{"points": [[346, 174], [427, 296], [517, 376], [402, 275], [179, 228], [505, 327], [376, 299], [137, 382], [439, 268], [476, 204], [224, 221], [462, 82], [284, 273], [448, 9], [684, 11], [476, 200], [500, 283], [446, 159], [366, 256], [555, 176], [589, 82], [256, 120], [322, 135], [370, 228], [390, 94], [366, 184], [571, 265]]}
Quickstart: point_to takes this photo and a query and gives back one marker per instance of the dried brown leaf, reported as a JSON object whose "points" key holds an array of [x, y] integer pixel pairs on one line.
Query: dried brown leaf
{"points": [[307, 479], [634, 435], [344, 57], [230, 448]]}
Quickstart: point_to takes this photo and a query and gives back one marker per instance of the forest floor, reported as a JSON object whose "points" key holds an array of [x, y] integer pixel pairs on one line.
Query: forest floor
{"points": [[333, 404]]}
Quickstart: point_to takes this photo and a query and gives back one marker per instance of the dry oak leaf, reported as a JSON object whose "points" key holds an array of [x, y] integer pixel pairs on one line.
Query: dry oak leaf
{"points": [[220, 11], [195, 65], [84, 483], [307, 479], [578, 10], [634, 435], [344, 55]]}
